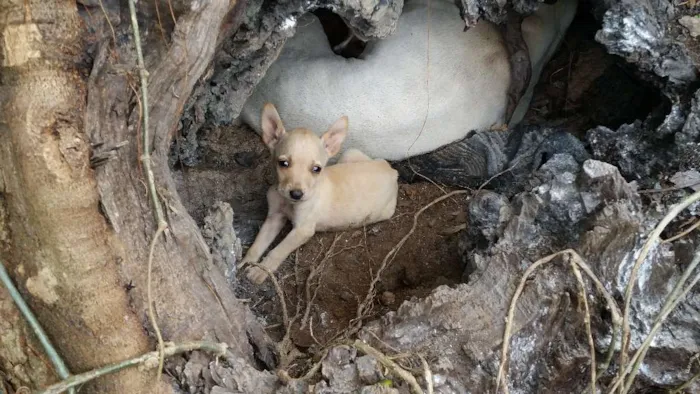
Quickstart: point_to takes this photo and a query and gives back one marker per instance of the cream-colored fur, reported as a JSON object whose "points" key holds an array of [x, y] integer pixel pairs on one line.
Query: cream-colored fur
{"points": [[384, 93], [352, 193]]}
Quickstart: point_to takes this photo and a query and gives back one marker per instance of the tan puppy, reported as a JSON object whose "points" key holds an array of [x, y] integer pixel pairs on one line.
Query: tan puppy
{"points": [[352, 193]]}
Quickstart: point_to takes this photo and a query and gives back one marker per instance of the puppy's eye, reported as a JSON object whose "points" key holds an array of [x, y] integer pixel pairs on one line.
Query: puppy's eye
{"points": [[316, 169], [283, 163]]}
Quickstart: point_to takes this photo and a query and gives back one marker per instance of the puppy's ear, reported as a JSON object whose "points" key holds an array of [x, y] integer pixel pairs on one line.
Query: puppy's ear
{"points": [[272, 127], [334, 137]]}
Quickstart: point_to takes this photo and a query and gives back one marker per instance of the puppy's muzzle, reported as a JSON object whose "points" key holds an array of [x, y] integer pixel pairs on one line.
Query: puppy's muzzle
{"points": [[296, 194]]}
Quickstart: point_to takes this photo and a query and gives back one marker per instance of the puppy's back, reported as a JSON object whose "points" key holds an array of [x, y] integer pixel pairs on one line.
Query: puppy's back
{"points": [[357, 194]]}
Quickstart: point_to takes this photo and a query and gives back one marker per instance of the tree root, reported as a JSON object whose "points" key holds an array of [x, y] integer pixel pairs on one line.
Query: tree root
{"points": [[387, 362]]}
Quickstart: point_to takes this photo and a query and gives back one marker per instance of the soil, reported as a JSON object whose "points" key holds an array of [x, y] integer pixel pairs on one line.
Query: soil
{"points": [[583, 86], [344, 270]]}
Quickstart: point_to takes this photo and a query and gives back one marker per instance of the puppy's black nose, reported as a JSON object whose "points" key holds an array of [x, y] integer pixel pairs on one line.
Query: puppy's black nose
{"points": [[296, 194]]}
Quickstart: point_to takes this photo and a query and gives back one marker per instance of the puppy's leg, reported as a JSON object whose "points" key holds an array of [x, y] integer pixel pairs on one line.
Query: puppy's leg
{"points": [[353, 156], [271, 227], [297, 237], [389, 209]]}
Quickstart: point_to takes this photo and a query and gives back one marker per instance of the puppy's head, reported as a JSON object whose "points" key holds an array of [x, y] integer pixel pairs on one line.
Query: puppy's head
{"points": [[300, 155]]}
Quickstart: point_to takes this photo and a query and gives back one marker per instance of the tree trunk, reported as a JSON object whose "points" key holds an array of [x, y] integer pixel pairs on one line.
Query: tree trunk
{"points": [[79, 237], [21, 357]]}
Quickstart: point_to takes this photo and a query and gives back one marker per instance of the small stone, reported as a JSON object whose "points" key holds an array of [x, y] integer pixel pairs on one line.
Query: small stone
{"points": [[295, 386], [368, 369], [487, 214], [410, 193], [597, 169], [387, 298], [341, 355], [346, 296], [338, 369], [692, 23], [220, 390], [690, 178], [193, 369], [439, 380]]}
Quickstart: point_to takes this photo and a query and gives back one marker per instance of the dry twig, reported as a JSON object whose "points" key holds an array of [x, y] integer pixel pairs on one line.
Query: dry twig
{"points": [[668, 189], [104, 12], [149, 296], [683, 233], [160, 24]]}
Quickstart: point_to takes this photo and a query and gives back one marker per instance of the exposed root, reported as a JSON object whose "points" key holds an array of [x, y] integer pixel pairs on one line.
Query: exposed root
{"points": [[287, 351], [683, 233], [587, 322], [668, 189], [311, 331], [387, 362], [316, 270], [280, 293], [427, 374]]}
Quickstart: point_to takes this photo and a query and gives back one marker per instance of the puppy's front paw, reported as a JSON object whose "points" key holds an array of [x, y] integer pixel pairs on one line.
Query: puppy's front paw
{"points": [[256, 275], [245, 261]]}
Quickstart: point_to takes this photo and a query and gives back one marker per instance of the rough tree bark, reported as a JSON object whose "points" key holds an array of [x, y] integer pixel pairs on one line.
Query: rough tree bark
{"points": [[77, 237]]}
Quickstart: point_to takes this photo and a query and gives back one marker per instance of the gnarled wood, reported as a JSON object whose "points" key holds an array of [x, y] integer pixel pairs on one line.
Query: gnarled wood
{"points": [[59, 246], [72, 262], [192, 299]]}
